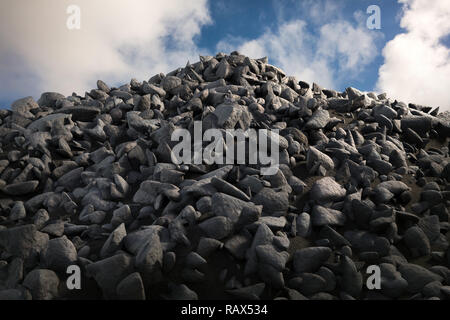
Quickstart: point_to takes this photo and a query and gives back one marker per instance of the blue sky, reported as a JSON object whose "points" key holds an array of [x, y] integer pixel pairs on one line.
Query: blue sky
{"points": [[325, 41], [249, 19]]}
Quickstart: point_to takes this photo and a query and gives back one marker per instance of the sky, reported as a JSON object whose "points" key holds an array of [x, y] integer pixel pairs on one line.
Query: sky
{"points": [[322, 41]]}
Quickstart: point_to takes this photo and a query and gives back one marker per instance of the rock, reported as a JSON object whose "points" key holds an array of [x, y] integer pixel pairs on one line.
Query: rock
{"points": [[49, 99], [327, 190], [81, 113], [43, 284], [322, 216], [114, 241], [303, 225], [392, 283], [170, 82], [417, 276], [55, 229], [238, 244], [110, 271], [417, 242], [217, 227], [59, 254], [268, 255], [310, 259], [229, 189], [227, 206], [431, 227], [18, 211], [351, 280], [315, 157], [272, 201], [24, 106], [365, 182], [131, 288], [207, 246], [149, 258], [318, 120], [181, 292], [20, 188], [194, 260], [121, 215], [23, 241], [252, 292], [311, 283]]}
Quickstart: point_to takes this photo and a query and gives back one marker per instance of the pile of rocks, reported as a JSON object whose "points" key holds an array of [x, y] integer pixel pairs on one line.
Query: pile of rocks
{"points": [[89, 181]]}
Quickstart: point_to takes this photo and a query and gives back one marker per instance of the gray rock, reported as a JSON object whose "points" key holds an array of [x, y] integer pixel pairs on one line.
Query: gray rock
{"points": [[228, 206], [18, 211], [24, 106], [351, 280], [303, 224], [310, 259], [170, 82], [207, 246], [269, 255], [252, 292], [23, 241], [417, 242], [55, 229], [417, 276], [21, 188], [110, 271], [327, 190], [322, 216], [149, 258], [272, 201], [131, 288], [315, 157], [43, 284], [392, 283], [229, 189], [217, 227], [318, 120], [59, 254], [181, 292], [114, 241]]}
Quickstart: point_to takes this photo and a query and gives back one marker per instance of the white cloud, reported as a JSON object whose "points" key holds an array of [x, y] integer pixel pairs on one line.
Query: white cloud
{"points": [[417, 64], [338, 52], [118, 40]]}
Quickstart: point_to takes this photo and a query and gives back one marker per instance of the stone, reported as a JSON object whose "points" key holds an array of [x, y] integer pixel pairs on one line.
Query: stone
{"points": [[114, 241], [417, 242], [322, 216], [310, 259], [43, 284], [59, 254], [327, 190], [110, 271], [228, 206], [417, 276], [272, 201], [318, 120], [314, 157], [18, 211], [20, 188], [217, 227], [131, 288]]}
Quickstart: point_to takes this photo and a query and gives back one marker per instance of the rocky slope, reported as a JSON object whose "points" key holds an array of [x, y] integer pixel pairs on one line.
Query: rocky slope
{"points": [[89, 181]]}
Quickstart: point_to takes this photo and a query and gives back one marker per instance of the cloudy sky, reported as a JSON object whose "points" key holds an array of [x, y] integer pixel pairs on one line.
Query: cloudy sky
{"points": [[325, 41]]}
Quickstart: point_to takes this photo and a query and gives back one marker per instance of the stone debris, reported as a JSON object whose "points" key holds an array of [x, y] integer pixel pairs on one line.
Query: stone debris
{"points": [[91, 181]]}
